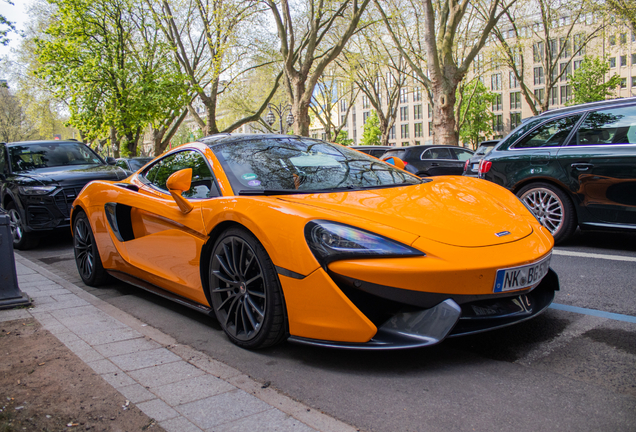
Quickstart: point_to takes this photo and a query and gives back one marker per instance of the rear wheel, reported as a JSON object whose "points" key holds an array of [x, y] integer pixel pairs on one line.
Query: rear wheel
{"points": [[245, 291], [552, 207], [21, 239], [89, 264]]}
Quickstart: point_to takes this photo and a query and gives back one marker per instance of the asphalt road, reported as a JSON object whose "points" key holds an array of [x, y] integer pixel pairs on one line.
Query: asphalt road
{"points": [[566, 371]]}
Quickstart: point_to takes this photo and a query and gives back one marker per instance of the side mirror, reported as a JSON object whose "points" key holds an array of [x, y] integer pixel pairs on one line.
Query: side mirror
{"points": [[178, 183], [396, 161], [110, 160]]}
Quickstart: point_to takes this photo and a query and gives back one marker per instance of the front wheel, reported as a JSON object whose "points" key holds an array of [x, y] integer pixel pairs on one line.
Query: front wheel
{"points": [[22, 240], [552, 207], [245, 291], [89, 264]]}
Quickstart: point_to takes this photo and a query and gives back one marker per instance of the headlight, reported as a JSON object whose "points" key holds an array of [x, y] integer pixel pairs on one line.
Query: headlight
{"points": [[36, 190], [331, 241]]}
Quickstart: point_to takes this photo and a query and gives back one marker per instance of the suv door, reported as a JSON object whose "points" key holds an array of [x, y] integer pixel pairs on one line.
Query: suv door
{"points": [[600, 165], [438, 161]]}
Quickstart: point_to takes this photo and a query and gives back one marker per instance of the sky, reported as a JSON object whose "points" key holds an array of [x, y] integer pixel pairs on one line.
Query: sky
{"points": [[17, 14]]}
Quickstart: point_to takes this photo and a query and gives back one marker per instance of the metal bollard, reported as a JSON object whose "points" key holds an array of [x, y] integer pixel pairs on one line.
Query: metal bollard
{"points": [[10, 294]]}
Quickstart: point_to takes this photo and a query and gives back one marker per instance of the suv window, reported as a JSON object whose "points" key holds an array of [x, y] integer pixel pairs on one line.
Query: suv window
{"points": [[122, 164], [395, 153], [611, 126], [551, 134], [437, 153], [461, 154], [203, 185], [3, 160]]}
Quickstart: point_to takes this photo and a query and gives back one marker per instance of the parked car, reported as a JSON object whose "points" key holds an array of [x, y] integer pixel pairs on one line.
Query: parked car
{"points": [[130, 165], [373, 150], [432, 160], [39, 181], [292, 238], [471, 166], [572, 167]]}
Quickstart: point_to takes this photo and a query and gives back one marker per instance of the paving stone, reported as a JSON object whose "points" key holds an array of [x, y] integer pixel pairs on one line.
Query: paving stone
{"points": [[158, 410], [67, 337], [179, 424], [96, 326], [221, 409], [62, 305], [158, 376], [104, 337], [126, 347], [33, 278], [88, 310], [38, 294], [64, 296], [42, 300], [144, 359], [136, 393], [104, 366], [88, 355], [118, 379], [14, 314], [272, 420], [193, 389], [76, 344]]}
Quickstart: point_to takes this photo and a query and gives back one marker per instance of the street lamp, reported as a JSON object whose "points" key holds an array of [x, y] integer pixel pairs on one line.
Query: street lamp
{"points": [[280, 110]]}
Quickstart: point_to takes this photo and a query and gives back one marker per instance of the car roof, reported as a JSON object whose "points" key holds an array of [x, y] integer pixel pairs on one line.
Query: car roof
{"points": [[372, 147], [424, 147], [233, 137], [15, 143], [587, 106]]}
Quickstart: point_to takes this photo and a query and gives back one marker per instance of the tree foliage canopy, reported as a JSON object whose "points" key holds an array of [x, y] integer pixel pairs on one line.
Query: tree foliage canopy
{"points": [[589, 83], [475, 112], [372, 133]]}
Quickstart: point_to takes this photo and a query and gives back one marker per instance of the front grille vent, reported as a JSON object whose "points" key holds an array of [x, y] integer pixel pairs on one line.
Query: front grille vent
{"points": [[64, 199]]}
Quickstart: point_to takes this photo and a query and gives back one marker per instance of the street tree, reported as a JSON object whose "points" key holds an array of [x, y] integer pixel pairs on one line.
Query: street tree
{"points": [[216, 46], [624, 9], [372, 134], [474, 115], [110, 62], [311, 36], [589, 82], [6, 27], [428, 37], [14, 123], [553, 37]]}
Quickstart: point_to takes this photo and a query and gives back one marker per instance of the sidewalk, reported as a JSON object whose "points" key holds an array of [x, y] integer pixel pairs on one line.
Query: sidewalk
{"points": [[182, 389]]}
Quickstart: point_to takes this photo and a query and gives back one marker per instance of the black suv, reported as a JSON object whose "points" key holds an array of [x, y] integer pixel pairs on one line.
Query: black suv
{"points": [[39, 181], [471, 166], [572, 167], [432, 160]]}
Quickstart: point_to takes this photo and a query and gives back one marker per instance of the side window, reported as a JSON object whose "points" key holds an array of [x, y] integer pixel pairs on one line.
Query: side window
{"points": [[551, 134], [462, 155], [121, 164], [203, 184], [437, 153], [3, 160], [611, 126]]}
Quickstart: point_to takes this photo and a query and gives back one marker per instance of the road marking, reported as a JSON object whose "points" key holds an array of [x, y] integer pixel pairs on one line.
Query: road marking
{"points": [[594, 312], [593, 255]]}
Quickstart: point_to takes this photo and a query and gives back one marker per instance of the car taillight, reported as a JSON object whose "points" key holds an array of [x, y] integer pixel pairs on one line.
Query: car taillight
{"points": [[466, 165], [484, 166]]}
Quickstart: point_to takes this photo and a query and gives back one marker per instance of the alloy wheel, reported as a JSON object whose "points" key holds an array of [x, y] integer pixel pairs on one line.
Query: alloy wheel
{"points": [[84, 248], [546, 206], [239, 292], [15, 223]]}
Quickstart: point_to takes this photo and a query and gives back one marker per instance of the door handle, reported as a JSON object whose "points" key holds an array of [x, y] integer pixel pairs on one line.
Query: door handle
{"points": [[582, 166], [434, 164]]}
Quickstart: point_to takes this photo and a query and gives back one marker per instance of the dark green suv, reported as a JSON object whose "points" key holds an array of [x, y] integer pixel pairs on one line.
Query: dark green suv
{"points": [[572, 167]]}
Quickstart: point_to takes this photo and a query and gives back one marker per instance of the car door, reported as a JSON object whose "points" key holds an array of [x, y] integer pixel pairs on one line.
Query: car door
{"points": [[165, 241], [600, 164], [440, 161]]}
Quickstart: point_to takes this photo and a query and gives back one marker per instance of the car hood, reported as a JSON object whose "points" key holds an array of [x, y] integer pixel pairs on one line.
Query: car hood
{"points": [[64, 175], [459, 211]]}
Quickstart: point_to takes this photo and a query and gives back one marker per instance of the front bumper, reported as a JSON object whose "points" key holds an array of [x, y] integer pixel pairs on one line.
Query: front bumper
{"points": [[405, 325], [49, 212]]}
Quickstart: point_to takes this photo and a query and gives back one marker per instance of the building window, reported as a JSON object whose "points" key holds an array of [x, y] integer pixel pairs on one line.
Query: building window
{"points": [[612, 61], [566, 94], [343, 121], [514, 82], [633, 81], [568, 70], [623, 38], [404, 131], [553, 48], [495, 81], [612, 40], [564, 46], [392, 133], [515, 100], [417, 112], [365, 116], [404, 95], [496, 103], [539, 94], [404, 113], [538, 76], [554, 96], [417, 94], [430, 128], [579, 44], [430, 111], [418, 130], [633, 59], [577, 64], [497, 123], [537, 51], [624, 60], [343, 105], [515, 119], [365, 102], [623, 82]]}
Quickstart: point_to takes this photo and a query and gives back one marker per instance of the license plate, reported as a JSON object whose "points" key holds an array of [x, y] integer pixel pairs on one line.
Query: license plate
{"points": [[475, 166], [517, 278]]}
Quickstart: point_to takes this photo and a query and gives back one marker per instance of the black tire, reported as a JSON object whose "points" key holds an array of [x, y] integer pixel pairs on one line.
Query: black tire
{"points": [[22, 240], [552, 207], [245, 291], [87, 259]]}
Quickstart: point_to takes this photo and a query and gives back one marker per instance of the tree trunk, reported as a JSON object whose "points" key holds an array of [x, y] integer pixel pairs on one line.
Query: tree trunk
{"points": [[300, 108], [444, 132]]}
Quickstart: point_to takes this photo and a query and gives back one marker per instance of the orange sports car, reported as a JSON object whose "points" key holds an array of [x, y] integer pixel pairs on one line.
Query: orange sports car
{"points": [[290, 238]]}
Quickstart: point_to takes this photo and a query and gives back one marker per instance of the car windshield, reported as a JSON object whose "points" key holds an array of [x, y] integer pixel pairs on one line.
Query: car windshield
{"points": [[135, 164], [46, 155], [299, 165], [482, 150]]}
